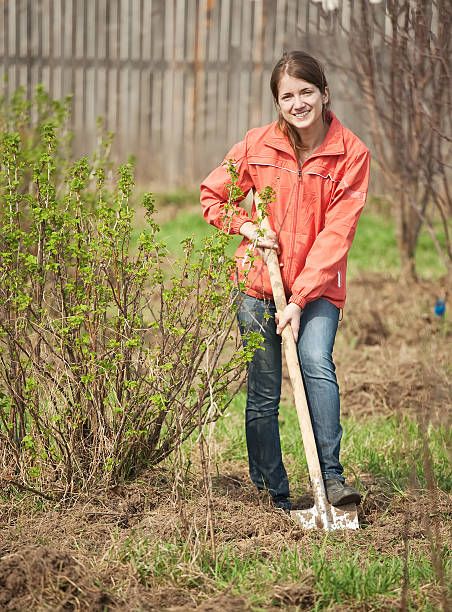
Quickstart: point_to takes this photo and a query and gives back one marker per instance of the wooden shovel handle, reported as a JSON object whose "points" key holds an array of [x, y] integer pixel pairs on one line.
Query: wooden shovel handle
{"points": [[293, 365]]}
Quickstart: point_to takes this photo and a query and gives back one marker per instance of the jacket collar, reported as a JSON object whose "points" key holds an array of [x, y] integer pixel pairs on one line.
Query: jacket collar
{"points": [[332, 145]]}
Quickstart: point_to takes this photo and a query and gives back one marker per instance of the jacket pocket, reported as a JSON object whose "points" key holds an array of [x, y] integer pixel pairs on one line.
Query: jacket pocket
{"points": [[323, 174], [270, 172]]}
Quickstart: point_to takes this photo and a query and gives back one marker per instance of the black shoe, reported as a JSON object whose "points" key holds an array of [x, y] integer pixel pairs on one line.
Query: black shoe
{"points": [[340, 494], [283, 504]]}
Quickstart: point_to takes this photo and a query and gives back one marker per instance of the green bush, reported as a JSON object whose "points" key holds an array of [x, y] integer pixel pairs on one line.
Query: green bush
{"points": [[107, 360]]}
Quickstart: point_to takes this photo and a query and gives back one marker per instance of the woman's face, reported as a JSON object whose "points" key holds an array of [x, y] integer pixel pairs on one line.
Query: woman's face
{"points": [[301, 102]]}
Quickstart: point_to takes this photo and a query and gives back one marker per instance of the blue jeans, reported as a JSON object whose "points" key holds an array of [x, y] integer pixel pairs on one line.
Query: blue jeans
{"points": [[318, 328]]}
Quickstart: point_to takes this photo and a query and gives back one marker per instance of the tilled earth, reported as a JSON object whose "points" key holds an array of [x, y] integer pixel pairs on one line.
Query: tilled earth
{"points": [[392, 352], [82, 557], [392, 356]]}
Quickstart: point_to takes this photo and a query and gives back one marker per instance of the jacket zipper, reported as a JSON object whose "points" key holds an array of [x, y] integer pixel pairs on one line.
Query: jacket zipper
{"points": [[294, 226]]}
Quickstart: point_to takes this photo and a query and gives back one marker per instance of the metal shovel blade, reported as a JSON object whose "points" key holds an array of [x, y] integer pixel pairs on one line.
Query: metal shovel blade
{"points": [[343, 517]]}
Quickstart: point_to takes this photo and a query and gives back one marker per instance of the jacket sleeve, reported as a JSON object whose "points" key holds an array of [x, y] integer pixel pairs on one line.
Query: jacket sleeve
{"points": [[217, 210], [334, 241]]}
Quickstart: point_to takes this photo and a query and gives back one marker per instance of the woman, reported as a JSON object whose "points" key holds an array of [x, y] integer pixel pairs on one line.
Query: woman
{"points": [[319, 171]]}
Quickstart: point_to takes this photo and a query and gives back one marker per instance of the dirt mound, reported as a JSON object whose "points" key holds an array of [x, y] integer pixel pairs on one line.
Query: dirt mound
{"points": [[169, 598], [47, 575], [299, 594]]}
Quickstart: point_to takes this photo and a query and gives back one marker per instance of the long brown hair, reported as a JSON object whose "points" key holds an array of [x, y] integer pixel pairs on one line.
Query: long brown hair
{"points": [[300, 65]]}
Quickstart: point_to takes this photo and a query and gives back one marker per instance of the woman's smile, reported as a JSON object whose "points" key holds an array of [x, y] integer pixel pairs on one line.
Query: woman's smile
{"points": [[302, 114]]}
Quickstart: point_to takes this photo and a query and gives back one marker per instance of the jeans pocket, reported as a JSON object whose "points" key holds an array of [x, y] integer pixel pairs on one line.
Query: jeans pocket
{"points": [[252, 314]]}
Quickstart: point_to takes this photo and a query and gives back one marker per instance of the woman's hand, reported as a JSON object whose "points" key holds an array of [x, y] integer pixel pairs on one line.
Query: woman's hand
{"points": [[262, 238], [291, 314]]}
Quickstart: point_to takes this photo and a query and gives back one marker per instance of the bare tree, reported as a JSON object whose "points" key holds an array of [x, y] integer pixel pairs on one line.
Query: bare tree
{"points": [[401, 60]]}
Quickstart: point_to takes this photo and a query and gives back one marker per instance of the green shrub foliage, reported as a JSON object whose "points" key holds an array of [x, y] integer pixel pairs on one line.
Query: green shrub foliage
{"points": [[110, 356]]}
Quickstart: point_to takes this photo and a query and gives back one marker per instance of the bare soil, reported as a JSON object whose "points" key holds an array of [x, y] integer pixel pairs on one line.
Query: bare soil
{"points": [[392, 356], [392, 352]]}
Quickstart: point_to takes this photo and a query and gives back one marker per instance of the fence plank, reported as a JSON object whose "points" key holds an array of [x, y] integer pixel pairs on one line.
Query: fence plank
{"points": [[158, 29], [291, 27], [101, 92], [112, 101], [168, 39], [101, 29], [268, 107], [225, 30], [78, 26], [345, 15], [22, 29], [213, 31], [190, 31], [257, 63], [168, 122], [179, 31], [236, 23], [156, 117], [124, 108], [257, 37], [67, 29], [223, 104], [247, 33], [12, 19], [175, 146], [134, 107], [79, 115], [280, 27], [200, 73], [90, 105], [144, 133], [189, 137], [135, 29], [3, 33], [269, 19]]}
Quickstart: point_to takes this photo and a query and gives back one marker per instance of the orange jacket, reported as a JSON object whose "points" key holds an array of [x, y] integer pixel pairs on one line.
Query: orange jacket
{"points": [[315, 213]]}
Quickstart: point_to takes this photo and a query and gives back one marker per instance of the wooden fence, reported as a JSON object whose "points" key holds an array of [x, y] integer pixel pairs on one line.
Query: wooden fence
{"points": [[178, 81]]}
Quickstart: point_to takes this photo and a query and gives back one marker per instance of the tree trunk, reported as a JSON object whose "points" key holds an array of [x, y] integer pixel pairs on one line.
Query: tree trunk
{"points": [[407, 262], [408, 233]]}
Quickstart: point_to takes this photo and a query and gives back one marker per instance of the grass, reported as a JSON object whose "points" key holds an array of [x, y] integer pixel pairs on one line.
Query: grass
{"points": [[190, 224], [323, 579]]}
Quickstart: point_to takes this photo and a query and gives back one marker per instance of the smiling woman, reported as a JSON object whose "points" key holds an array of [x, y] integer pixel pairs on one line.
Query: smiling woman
{"points": [[319, 171]]}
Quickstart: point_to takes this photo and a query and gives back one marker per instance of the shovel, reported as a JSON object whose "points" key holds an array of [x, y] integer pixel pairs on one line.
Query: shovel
{"points": [[322, 515]]}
